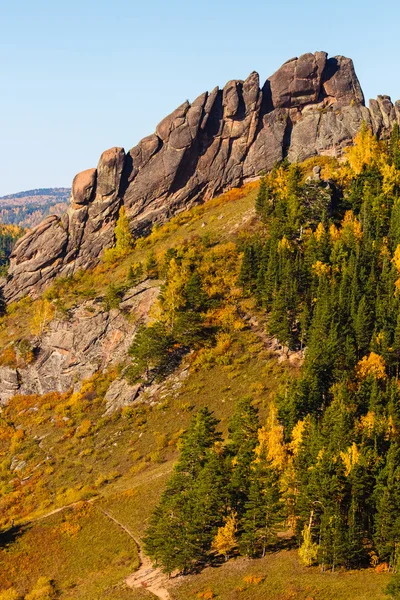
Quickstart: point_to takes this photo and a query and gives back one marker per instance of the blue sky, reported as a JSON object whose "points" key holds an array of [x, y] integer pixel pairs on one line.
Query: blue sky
{"points": [[78, 77]]}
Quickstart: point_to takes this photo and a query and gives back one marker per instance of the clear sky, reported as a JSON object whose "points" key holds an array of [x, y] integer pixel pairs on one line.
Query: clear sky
{"points": [[80, 76]]}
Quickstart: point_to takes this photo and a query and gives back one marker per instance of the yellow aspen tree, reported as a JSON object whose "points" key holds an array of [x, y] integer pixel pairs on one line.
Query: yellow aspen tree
{"points": [[371, 365], [308, 551], [350, 458], [271, 441], [225, 540], [365, 150], [43, 313]]}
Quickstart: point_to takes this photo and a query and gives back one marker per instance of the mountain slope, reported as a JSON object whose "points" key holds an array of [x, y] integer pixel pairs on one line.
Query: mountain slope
{"points": [[27, 209], [116, 451]]}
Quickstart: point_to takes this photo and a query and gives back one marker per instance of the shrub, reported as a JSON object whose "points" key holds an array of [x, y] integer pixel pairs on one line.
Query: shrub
{"points": [[43, 590]]}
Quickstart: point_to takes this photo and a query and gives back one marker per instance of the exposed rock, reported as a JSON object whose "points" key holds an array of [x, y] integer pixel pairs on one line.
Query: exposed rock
{"points": [[120, 394], [91, 339], [312, 105], [339, 82], [298, 82], [9, 383]]}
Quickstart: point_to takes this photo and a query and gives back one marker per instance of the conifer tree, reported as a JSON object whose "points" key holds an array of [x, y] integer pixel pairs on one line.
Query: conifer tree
{"points": [[263, 204], [263, 509], [191, 509], [243, 439], [387, 536]]}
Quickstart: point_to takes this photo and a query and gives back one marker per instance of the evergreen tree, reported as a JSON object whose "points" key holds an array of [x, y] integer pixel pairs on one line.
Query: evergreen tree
{"points": [[243, 438], [263, 509], [387, 525], [192, 507], [263, 202]]}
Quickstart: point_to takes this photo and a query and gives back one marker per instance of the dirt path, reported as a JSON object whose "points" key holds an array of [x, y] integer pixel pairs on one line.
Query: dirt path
{"points": [[147, 577], [91, 501]]}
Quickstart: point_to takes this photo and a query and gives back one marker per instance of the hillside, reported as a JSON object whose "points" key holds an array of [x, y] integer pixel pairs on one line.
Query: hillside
{"points": [[27, 209], [274, 306]]}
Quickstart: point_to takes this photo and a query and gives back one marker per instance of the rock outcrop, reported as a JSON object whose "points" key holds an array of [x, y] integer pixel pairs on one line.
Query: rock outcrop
{"points": [[73, 349], [312, 105]]}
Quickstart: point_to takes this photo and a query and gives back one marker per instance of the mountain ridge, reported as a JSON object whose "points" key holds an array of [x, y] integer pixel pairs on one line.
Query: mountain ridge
{"points": [[313, 105]]}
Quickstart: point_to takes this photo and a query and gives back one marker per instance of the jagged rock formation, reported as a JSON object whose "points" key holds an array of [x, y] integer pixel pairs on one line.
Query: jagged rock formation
{"points": [[72, 349], [311, 105]]}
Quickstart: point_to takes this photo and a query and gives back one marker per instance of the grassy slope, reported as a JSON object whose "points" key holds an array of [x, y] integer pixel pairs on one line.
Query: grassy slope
{"points": [[124, 460]]}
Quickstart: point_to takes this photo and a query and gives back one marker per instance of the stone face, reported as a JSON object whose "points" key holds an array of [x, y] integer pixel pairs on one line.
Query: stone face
{"points": [[82, 187], [298, 82], [340, 84], [74, 349], [10, 384], [120, 394], [312, 105]]}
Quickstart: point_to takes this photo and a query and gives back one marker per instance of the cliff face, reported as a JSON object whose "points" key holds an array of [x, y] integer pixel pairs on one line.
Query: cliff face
{"points": [[71, 350], [312, 105]]}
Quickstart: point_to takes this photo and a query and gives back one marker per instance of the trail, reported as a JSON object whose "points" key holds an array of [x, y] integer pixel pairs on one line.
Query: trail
{"points": [[146, 576], [91, 501]]}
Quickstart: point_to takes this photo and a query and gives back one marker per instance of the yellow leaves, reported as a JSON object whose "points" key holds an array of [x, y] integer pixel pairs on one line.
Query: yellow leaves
{"points": [[70, 529], [367, 423], [124, 241], [43, 590], [396, 262], [43, 313], [308, 551], [219, 271], [371, 366], [396, 258], [320, 268], [334, 232], [225, 540], [350, 458], [351, 225], [284, 244], [320, 232], [173, 297], [219, 354], [297, 436], [271, 441], [83, 429], [391, 178], [8, 357], [278, 181], [10, 594], [365, 150], [371, 424], [226, 317]]}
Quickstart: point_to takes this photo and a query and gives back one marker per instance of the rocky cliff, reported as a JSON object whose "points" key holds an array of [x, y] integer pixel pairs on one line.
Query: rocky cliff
{"points": [[312, 105], [73, 349]]}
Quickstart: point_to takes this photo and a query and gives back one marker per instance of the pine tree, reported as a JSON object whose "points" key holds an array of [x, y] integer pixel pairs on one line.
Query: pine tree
{"points": [[387, 535], [191, 509], [150, 348], [151, 266], [243, 439], [263, 203], [263, 509]]}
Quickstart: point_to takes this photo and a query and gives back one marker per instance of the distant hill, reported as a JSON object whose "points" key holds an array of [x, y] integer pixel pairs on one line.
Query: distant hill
{"points": [[29, 207]]}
